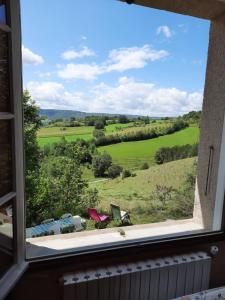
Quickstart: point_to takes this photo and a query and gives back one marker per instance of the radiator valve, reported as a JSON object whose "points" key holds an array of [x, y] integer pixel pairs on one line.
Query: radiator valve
{"points": [[214, 250]]}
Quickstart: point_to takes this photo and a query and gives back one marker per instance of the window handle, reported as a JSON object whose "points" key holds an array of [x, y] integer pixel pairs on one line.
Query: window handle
{"points": [[209, 170]]}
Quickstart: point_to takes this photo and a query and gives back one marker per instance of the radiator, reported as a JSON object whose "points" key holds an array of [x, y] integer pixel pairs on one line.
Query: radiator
{"points": [[158, 279]]}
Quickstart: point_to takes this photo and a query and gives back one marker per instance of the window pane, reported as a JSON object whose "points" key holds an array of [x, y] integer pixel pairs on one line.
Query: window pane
{"points": [[6, 220], [5, 158], [4, 73], [125, 153], [2, 14], [6, 237]]}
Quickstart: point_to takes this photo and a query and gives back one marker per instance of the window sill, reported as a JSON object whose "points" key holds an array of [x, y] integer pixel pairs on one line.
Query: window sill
{"points": [[97, 239]]}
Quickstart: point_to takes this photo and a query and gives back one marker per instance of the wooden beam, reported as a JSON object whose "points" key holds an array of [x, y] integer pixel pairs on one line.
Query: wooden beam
{"points": [[204, 9]]}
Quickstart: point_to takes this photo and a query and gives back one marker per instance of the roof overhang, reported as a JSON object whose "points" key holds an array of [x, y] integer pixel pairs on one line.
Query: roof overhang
{"points": [[204, 9]]}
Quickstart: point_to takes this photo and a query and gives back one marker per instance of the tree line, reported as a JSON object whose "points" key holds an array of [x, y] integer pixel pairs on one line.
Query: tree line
{"points": [[138, 135], [166, 154]]}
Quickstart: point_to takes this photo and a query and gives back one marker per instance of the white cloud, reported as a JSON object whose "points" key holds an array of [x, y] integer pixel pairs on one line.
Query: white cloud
{"points": [[119, 60], [133, 97], [127, 96], [133, 58], [45, 74], [30, 57], [53, 95], [80, 71], [165, 30], [72, 54], [83, 37]]}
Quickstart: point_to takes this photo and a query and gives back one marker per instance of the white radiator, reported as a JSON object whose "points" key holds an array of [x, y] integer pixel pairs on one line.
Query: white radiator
{"points": [[158, 279]]}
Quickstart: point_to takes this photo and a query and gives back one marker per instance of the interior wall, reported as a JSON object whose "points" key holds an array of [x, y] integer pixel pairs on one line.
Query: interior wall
{"points": [[41, 281]]}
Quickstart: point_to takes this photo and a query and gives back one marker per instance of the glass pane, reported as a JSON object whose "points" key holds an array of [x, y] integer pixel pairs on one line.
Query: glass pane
{"points": [[6, 237], [2, 14], [6, 220], [4, 73], [5, 158]]}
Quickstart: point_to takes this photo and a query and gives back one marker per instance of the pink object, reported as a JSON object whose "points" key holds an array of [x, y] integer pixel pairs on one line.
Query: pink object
{"points": [[93, 214]]}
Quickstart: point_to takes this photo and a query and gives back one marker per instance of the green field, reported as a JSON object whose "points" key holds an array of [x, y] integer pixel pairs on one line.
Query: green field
{"points": [[133, 193], [49, 135], [132, 155]]}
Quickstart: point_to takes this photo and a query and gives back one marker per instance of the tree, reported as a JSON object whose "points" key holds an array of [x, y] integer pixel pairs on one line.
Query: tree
{"points": [[114, 171], [32, 122], [123, 119], [62, 188], [98, 133], [101, 164], [80, 151], [99, 124]]}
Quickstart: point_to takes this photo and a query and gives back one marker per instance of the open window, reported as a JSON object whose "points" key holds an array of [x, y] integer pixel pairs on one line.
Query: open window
{"points": [[206, 217], [12, 256], [165, 169]]}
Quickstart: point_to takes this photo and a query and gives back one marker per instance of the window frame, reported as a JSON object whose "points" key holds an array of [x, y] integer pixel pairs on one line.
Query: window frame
{"points": [[21, 262], [210, 236], [15, 117]]}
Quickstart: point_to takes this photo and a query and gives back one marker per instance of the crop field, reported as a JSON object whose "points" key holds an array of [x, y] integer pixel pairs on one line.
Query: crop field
{"points": [[49, 135], [133, 194], [131, 155]]}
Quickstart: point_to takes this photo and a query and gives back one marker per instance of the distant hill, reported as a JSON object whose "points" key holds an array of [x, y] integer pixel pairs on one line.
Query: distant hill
{"points": [[53, 114]]}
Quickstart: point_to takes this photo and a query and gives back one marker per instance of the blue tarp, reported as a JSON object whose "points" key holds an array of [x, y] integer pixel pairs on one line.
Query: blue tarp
{"points": [[46, 228]]}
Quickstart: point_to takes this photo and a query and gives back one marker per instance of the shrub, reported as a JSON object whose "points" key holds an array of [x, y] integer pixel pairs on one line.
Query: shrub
{"points": [[174, 203], [98, 133], [75, 124], [145, 166], [114, 171], [167, 154], [123, 119], [139, 135], [126, 173], [101, 164], [99, 125]]}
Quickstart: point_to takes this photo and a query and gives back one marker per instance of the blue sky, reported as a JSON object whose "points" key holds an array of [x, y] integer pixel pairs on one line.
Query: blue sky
{"points": [[107, 56]]}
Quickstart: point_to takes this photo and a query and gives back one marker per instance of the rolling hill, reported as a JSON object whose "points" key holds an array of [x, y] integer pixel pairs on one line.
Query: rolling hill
{"points": [[53, 114]]}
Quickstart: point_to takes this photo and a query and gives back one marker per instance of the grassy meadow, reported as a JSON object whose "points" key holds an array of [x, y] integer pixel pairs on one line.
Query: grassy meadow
{"points": [[133, 194], [49, 135], [132, 155]]}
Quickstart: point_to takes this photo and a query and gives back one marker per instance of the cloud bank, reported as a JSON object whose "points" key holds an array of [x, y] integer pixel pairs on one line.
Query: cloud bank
{"points": [[119, 60], [127, 96]]}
